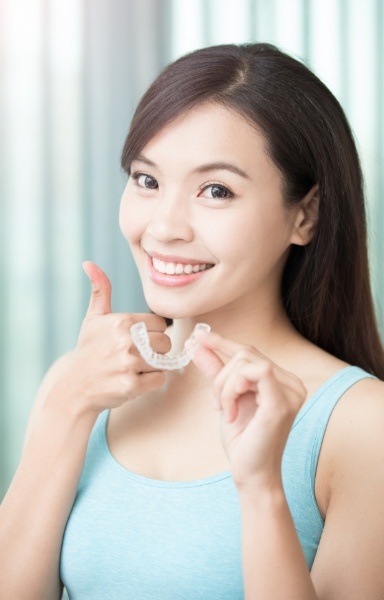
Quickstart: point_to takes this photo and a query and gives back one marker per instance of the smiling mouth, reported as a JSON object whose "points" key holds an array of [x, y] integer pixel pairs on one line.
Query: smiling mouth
{"points": [[170, 268]]}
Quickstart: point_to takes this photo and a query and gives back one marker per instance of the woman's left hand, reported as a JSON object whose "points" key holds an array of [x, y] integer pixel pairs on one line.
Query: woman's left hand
{"points": [[259, 402]]}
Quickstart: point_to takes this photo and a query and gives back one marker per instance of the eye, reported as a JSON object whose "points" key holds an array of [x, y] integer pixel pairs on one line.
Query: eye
{"points": [[217, 191], [145, 181]]}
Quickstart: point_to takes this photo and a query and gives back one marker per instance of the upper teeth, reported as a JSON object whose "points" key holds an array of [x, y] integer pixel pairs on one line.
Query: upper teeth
{"points": [[176, 268]]}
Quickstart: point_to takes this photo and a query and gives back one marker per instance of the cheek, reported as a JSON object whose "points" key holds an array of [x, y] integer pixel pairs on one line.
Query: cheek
{"points": [[124, 221], [256, 238], [130, 227], [232, 235]]}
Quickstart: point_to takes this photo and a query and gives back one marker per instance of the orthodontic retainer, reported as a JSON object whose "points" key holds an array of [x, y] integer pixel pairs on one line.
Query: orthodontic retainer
{"points": [[140, 338]]}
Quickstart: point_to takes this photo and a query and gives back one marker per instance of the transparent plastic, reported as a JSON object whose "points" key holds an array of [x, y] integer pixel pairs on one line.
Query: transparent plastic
{"points": [[140, 338]]}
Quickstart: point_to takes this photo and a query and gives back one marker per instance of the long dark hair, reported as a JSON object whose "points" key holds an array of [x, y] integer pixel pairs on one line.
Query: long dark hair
{"points": [[326, 284]]}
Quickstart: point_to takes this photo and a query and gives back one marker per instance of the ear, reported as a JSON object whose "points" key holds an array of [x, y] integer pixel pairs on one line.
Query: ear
{"points": [[306, 217]]}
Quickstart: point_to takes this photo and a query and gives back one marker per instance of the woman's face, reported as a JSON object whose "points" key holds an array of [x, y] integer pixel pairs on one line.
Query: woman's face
{"points": [[203, 213]]}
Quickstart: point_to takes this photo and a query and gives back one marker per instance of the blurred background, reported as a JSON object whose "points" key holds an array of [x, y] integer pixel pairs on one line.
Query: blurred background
{"points": [[71, 73]]}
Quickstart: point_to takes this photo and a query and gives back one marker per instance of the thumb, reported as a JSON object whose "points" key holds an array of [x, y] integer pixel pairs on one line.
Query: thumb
{"points": [[100, 302]]}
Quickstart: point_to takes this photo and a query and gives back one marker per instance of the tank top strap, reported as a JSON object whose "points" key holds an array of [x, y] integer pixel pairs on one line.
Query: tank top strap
{"points": [[301, 456], [316, 413]]}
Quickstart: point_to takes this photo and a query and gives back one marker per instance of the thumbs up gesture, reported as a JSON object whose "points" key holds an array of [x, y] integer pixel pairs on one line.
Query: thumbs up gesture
{"points": [[101, 294], [107, 370]]}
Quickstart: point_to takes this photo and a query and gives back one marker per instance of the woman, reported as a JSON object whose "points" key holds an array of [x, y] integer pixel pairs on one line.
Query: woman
{"points": [[244, 210]]}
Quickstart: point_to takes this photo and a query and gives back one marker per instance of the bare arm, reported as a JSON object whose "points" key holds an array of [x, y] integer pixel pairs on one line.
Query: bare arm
{"points": [[103, 372], [349, 564], [35, 509]]}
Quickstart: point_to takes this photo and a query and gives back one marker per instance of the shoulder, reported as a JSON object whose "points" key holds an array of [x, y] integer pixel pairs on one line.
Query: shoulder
{"points": [[358, 415], [353, 447], [354, 430], [356, 422]]}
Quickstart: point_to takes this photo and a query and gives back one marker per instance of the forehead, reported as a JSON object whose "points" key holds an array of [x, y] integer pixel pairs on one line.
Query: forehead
{"points": [[208, 132]]}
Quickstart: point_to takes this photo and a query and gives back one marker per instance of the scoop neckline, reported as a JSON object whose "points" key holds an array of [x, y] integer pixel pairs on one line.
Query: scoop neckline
{"points": [[144, 480], [217, 477]]}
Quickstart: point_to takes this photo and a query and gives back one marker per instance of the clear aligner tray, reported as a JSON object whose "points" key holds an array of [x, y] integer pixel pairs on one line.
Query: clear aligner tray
{"points": [[140, 338]]}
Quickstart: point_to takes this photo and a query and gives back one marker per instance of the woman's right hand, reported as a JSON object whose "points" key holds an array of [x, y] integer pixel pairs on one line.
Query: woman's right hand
{"points": [[106, 369]]}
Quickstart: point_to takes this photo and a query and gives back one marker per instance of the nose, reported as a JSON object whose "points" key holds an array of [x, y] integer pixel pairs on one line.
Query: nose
{"points": [[170, 220]]}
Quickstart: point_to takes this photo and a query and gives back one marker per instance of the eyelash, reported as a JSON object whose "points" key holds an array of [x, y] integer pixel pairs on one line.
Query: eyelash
{"points": [[137, 174], [212, 184]]}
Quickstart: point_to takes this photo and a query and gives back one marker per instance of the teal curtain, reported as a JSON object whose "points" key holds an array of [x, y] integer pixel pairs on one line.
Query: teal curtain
{"points": [[70, 75]]}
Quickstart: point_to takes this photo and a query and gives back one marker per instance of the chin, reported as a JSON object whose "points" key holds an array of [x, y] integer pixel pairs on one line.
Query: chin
{"points": [[170, 315], [168, 312]]}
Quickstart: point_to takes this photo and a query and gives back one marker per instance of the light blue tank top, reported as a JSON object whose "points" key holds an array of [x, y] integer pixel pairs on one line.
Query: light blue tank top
{"points": [[133, 538]]}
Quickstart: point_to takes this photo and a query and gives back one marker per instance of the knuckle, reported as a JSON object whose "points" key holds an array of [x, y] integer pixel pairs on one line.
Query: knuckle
{"points": [[118, 322], [101, 291], [127, 383], [122, 322], [301, 390], [245, 353], [129, 320], [298, 392], [266, 368], [289, 408], [298, 401], [124, 363]]}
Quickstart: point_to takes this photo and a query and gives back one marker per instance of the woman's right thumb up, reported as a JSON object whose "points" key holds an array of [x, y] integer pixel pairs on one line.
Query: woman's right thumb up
{"points": [[101, 294]]}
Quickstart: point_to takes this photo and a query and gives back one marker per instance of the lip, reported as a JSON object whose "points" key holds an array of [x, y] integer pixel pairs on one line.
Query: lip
{"points": [[173, 280]]}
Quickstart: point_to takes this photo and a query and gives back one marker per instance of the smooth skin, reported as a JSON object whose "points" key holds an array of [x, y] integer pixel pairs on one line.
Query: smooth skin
{"points": [[234, 405]]}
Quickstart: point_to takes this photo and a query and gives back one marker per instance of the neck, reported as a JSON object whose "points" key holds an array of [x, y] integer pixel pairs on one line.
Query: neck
{"points": [[268, 331]]}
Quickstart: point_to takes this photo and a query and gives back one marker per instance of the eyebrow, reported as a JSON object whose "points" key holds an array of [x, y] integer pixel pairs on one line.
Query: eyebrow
{"points": [[222, 166], [214, 166]]}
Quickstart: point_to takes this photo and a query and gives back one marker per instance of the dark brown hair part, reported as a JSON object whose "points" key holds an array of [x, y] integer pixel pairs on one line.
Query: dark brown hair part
{"points": [[326, 284]]}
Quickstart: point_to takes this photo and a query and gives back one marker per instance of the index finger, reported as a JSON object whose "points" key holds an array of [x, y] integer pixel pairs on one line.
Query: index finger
{"points": [[216, 342]]}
